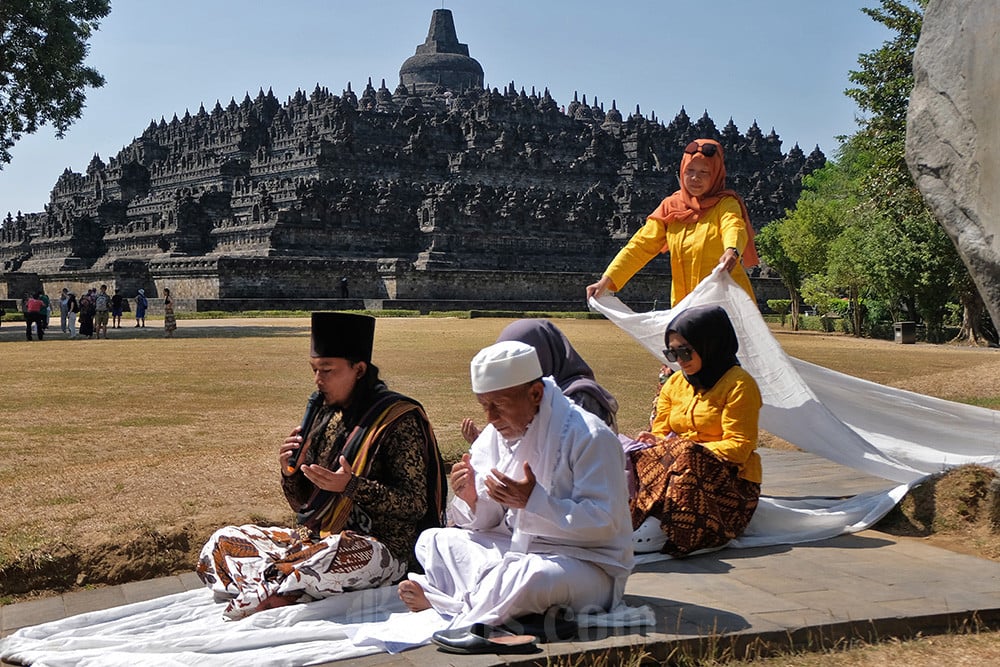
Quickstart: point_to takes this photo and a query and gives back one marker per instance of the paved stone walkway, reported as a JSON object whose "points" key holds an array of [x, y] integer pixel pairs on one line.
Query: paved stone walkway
{"points": [[865, 585]]}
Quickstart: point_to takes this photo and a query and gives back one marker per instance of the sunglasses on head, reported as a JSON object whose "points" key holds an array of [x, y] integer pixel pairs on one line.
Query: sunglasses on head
{"points": [[682, 353], [708, 150]]}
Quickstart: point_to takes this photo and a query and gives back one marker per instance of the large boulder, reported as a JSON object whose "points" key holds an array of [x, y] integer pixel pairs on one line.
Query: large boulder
{"points": [[953, 132]]}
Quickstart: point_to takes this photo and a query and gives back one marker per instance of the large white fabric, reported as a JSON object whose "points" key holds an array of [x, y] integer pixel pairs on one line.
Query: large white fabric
{"points": [[578, 510], [188, 629], [890, 433]]}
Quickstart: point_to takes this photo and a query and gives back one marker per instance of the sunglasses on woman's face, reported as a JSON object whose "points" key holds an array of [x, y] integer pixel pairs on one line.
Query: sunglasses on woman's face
{"points": [[708, 150], [682, 353]]}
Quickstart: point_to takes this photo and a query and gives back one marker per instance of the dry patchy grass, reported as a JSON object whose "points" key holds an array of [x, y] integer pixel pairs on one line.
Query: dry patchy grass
{"points": [[972, 649]]}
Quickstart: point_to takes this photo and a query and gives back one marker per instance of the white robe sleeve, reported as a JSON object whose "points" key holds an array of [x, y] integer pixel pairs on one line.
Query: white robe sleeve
{"points": [[581, 508], [489, 513]]}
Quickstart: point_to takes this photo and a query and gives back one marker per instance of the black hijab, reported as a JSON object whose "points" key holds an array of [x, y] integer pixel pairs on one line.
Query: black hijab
{"points": [[708, 330]]}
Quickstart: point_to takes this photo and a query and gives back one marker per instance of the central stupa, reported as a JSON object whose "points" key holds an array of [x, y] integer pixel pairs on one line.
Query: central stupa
{"points": [[441, 60]]}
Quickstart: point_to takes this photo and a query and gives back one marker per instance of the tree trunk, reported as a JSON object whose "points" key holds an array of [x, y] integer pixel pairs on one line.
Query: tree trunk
{"points": [[793, 294], [856, 316], [973, 308]]}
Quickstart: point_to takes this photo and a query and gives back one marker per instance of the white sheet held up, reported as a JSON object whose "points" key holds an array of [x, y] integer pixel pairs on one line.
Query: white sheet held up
{"points": [[889, 433]]}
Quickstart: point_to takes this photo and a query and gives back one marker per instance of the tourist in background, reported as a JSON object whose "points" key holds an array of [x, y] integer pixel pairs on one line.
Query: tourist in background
{"points": [[698, 478], [102, 309], [33, 307], [87, 314], [560, 360], [141, 304], [117, 304], [72, 308], [46, 308], [702, 225], [63, 309], [169, 319]]}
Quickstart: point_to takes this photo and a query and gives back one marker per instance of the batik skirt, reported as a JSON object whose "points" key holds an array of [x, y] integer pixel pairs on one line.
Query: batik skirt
{"points": [[700, 500], [250, 565]]}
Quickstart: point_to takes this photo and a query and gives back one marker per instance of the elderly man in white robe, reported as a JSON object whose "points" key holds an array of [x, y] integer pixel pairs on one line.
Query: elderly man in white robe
{"points": [[540, 509]]}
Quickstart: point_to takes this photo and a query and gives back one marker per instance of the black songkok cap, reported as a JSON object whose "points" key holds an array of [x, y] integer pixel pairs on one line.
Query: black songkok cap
{"points": [[344, 335]]}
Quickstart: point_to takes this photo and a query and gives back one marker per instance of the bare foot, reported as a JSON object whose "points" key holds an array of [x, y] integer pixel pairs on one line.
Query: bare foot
{"points": [[413, 595], [275, 601], [469, 430]]}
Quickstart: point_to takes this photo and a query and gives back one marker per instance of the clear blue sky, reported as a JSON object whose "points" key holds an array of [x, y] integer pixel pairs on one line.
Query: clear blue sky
{"points": [[783, 63]]}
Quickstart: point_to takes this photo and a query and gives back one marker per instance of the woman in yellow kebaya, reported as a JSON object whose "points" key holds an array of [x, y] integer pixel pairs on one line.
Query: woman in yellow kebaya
{"points": [[699, 475], [702, 225]]}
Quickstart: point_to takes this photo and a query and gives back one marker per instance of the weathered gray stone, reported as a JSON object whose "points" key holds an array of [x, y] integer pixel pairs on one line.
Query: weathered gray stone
{"points": [[953, 132], [441, 60]]}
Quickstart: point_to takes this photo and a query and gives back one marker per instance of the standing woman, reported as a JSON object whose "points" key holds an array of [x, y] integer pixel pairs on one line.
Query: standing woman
{"points": [[87, 310], [169, 319], [702, 225], [700, 475], [72, 308]]}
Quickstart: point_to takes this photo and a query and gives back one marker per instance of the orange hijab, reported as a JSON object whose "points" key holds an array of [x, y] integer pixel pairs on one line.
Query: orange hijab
{"points": [[682, 206]]}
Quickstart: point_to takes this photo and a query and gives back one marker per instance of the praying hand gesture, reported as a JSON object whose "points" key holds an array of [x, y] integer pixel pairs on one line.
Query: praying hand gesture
{"points": [[510, 492], [329, 480], [463, 481]]}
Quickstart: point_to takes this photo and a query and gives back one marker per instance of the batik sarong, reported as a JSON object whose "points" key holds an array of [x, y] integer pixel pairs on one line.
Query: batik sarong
{"points": [[699, 499], [251, 565]]}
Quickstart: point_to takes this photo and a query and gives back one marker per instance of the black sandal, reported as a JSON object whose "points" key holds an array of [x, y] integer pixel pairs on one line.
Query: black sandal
{"points": [[482, 638], [558, 623]]}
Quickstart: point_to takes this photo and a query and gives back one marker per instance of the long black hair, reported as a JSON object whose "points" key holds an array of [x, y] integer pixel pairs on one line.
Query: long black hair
{"points": [[365, 390]]}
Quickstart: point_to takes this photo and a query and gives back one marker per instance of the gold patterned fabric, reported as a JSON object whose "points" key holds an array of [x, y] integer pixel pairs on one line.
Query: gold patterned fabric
{"points": [[251, 566], [699, 499]]}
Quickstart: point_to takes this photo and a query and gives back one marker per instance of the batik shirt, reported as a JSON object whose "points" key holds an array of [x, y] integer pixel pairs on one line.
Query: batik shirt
{"points": [[391, 499]]}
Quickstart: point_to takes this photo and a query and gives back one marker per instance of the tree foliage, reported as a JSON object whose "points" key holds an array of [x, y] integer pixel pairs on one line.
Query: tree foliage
{"points": [[861, 230], [884, 82], [43, 79], [769, 245], [813, 238]]}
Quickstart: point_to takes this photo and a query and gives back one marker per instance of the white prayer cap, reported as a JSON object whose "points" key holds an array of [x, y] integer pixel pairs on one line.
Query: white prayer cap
{"points": [[506, 364]]}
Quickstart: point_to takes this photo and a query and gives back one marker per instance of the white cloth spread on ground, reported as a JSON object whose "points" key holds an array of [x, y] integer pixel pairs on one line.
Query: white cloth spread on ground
{"points": [[894, 434], [890, 433], [189, 629]]}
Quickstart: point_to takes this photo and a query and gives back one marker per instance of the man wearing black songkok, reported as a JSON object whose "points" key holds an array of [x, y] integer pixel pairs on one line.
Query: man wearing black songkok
{"points": [[364, 476]]}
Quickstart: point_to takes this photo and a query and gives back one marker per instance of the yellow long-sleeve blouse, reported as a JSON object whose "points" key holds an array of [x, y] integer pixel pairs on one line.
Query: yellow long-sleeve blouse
{"points": [[723, 419], [695, 249]]}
